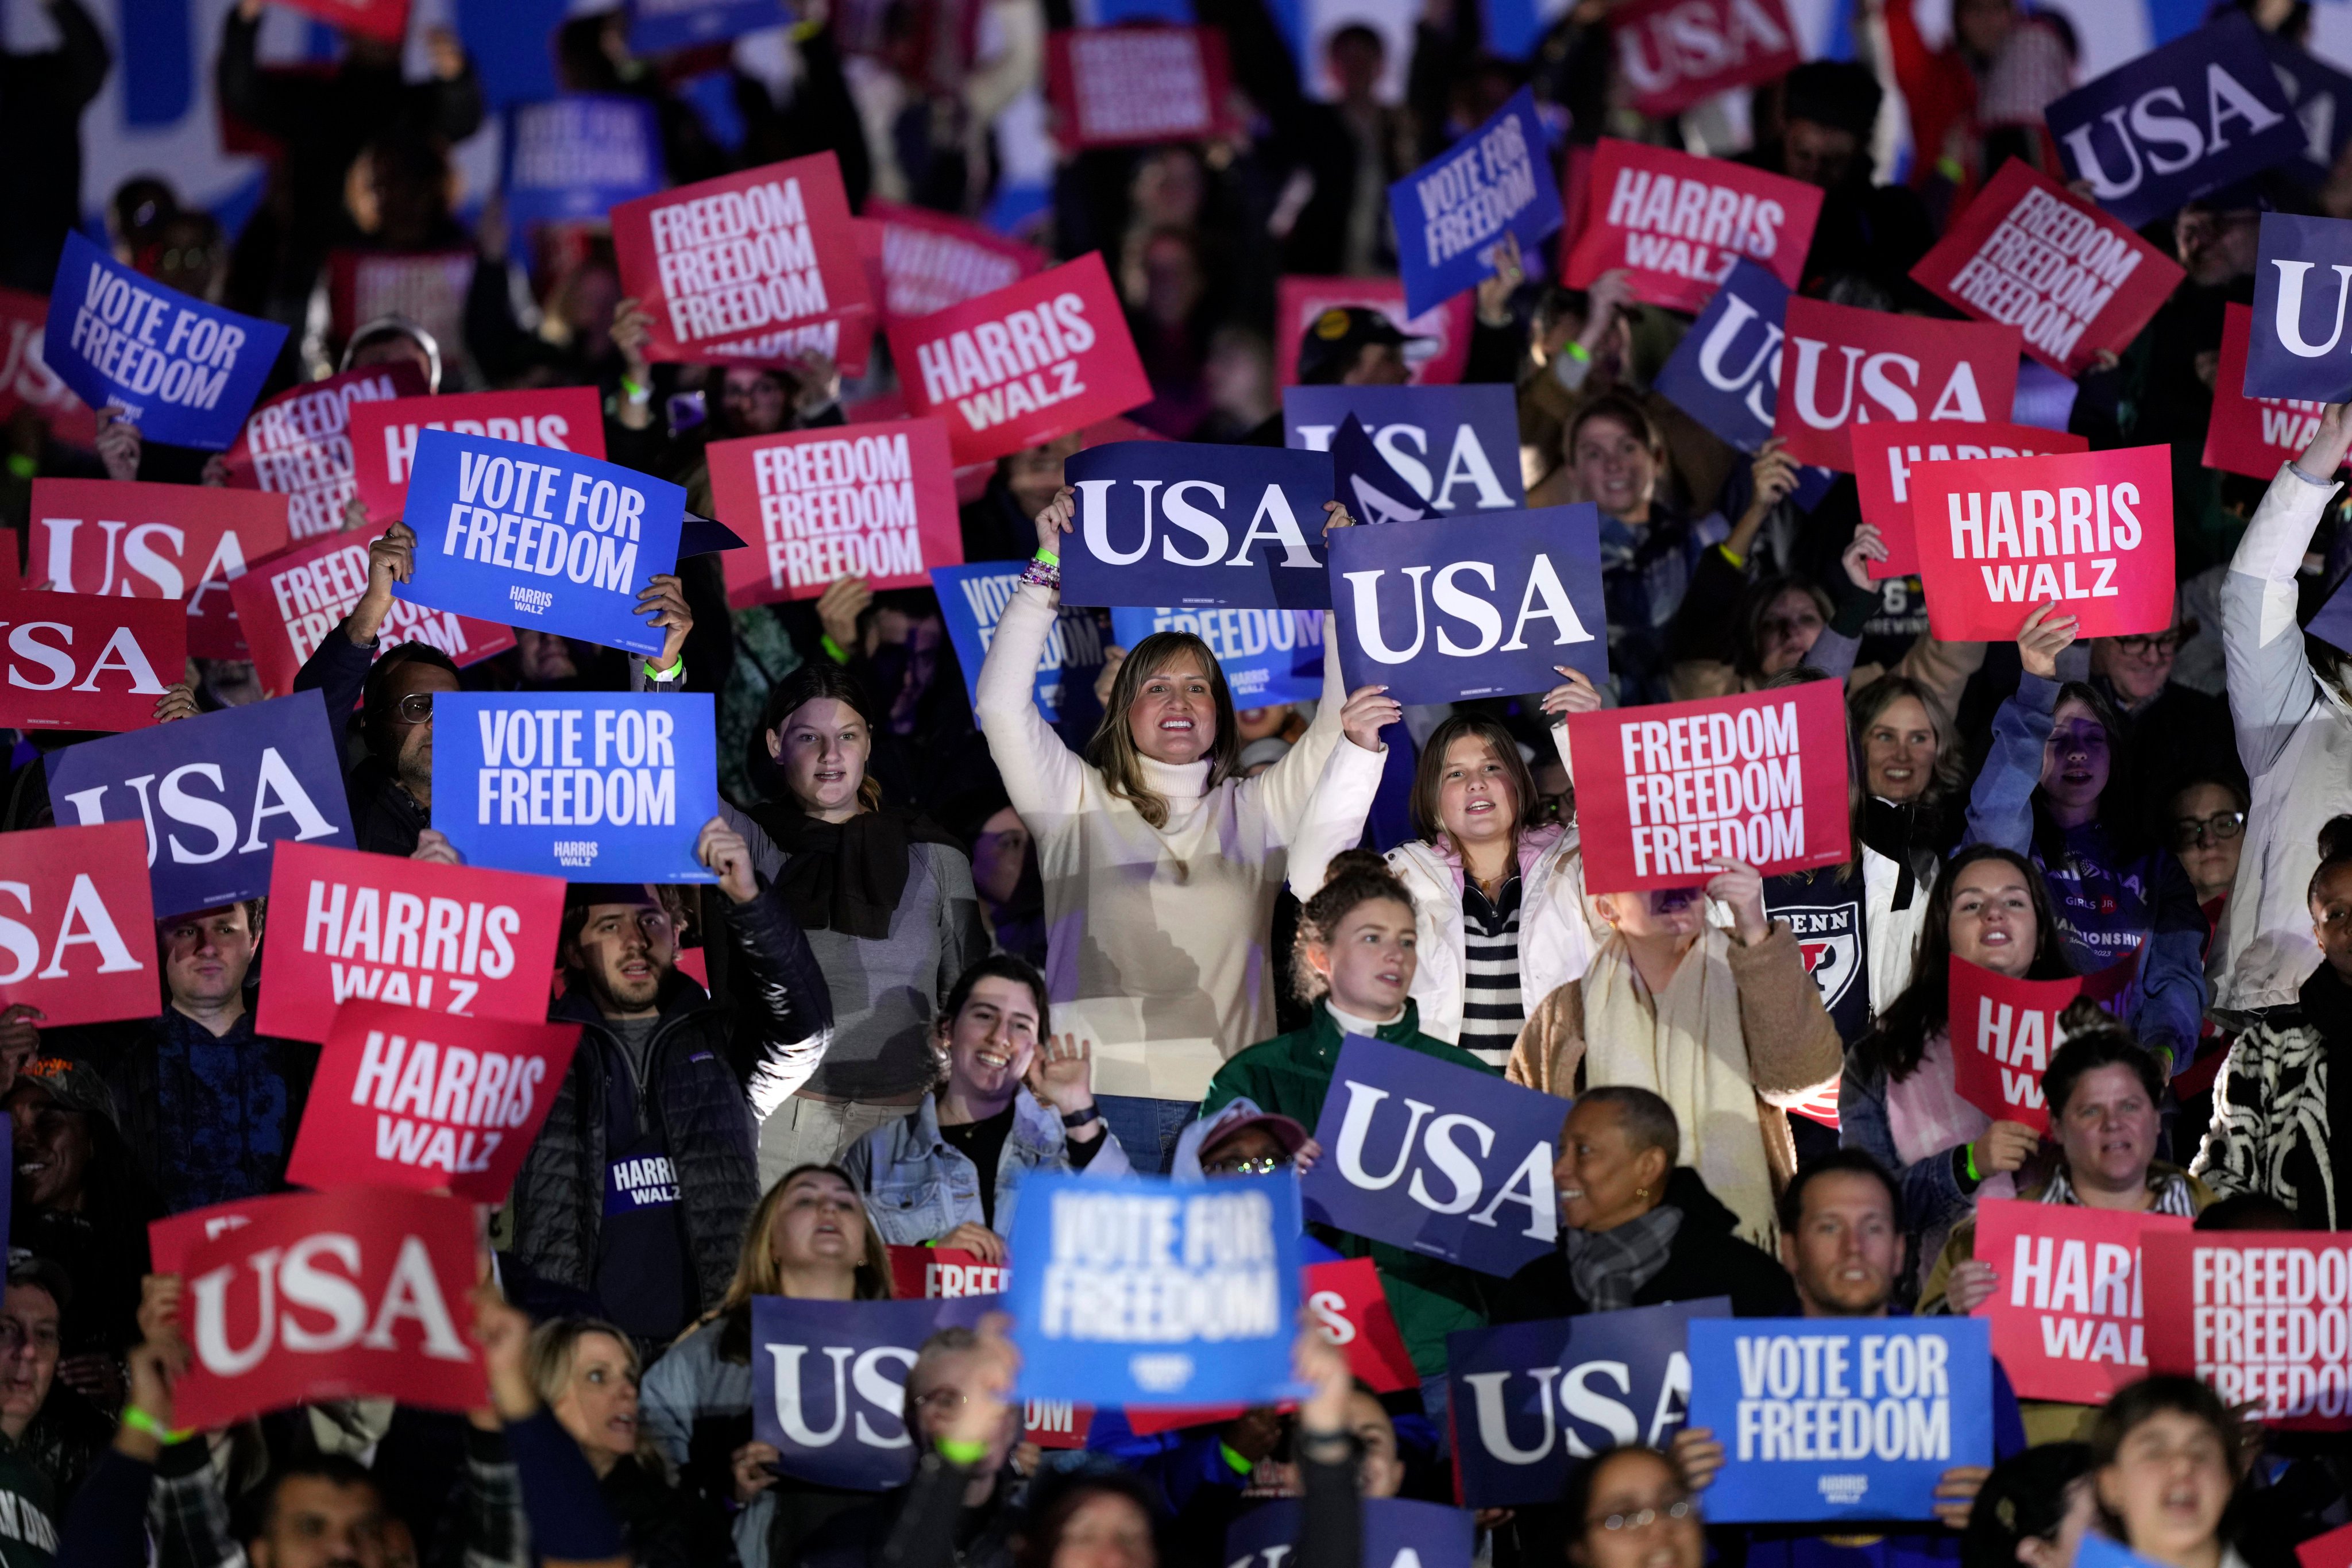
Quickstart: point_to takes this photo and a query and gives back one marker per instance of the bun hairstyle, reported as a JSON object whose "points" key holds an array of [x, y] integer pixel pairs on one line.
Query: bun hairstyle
{"points": [[1356, 877], [2335, 850], [2095, 1038]]}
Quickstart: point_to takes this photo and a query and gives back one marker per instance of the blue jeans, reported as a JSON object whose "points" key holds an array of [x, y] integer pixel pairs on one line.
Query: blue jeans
{"points": [[1146, 1128]]}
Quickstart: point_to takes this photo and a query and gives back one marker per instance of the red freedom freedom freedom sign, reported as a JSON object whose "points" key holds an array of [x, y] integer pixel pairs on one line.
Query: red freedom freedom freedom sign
{"points": [[26, 379], [1132, 87], [2263, 1317], [77, 923], [429, 1101], [733, 269], [354, 927], [2091, 531], [1884, 456], [877, 501], [2004, 1032], [2066, 1315], [2029, 254], [1663, 789], [1444, 330], [931, 260], [1842, 367], [75, 661], [2251, 435], [1673, 53], [426, 287], [385, 19], [1048, 355], [299, 444], [326, 1296], [1680, 223], [288, 604], [140, 540], [384, 435]]}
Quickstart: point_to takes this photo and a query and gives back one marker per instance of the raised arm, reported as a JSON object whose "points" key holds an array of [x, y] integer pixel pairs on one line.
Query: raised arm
{"points": [[1041, 778], [795, 1021], [2270, 681], [2000, 806]]}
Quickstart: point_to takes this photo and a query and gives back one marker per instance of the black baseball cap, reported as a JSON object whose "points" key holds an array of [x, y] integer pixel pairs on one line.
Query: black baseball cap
{"points": [[1333, 338]]}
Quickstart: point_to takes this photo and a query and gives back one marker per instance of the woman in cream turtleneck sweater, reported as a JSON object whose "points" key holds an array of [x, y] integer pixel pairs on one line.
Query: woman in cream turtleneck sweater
{"points": [[1161, 865]]}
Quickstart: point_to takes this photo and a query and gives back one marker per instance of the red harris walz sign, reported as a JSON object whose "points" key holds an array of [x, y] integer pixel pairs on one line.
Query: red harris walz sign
{"points": [[384, 435], [288, 604], [2247, 435], [1885, 456], [1681, 223], [139, 540]]}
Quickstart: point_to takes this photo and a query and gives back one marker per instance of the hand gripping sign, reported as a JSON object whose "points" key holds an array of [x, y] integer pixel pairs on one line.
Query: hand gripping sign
{"points": [[828, 1383], [327, 1296], [2004, 1032], [1456, 447], [1528, 1400], [2264, 1317], [1176, 523], [1832, 1419], [1398, 1534], [353, 927], [1452, 213], [1033, 360], [75, 661], [1681, 223], [2297, 348], [1675, 53], [299, 444], [931, 260], [428, 1102], [731, 269], [2066, 1314], [1884, 457], [561, 543], [286, 607], [1133, 87], [2252, 436], [1663, 789], [76, 924], [1842, 367], [183, 371], [384, 435], [2090, 531], [1725, 370], [132, 540], [875, 502]]}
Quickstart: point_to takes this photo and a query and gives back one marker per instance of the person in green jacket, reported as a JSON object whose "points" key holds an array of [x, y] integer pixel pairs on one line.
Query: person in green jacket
{"points": [[1355, 965]]}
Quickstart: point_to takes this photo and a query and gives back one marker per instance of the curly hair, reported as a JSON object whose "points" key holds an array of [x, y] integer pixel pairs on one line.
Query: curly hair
{"points": [[1356, 877]]}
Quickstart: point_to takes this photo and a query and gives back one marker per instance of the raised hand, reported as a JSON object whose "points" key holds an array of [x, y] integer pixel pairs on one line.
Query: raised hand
{"points": [[1370, 711], [1741, 887], [1868, 545], [722, 849], [661, 602], [2043, 637], [1062, 1073]]}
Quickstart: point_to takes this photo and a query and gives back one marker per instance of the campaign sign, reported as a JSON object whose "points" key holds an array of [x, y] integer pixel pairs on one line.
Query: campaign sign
{"points": [[384, 435], [931, 260], [2252, 436], [2029, 254], [327, 1296], [875, 502], [1140, 1291], [1851, 366], [1675, 53], [1884, 455], [972, 599], [1438, 612], [141, 541], [2166, 126], [26, 379], [1135, 87], [76, 924], [728, 267], [1478, 1150], [1032, 360], [575, 158], [299, 444], [1663, 789], [2297, 348], [657, 27], [2331, 1549], [171, 1240], [2322, 99], [1177, 523], [1398, 1534], [1725, 373], [942, 1273], [1828, 1418], [1529, 1400], [2003, 1033], [2092, 531], [383, 19], [1351, 1308], [1368, 482], [353, 927], [181, 370], [2264, 1317], [216, 793], [1681, 223], [561, 543], [1437, 341], [425, 1100], [1269, 657], [2066, 1313], [288, 604], [1457, 446], [593, 786], [76, 661], [828, 1381], [1450, 212]]}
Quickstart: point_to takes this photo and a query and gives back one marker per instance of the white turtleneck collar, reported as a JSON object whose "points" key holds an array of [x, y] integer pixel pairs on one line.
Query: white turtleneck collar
{"points": [[1178, 783], [1350, 1024]]}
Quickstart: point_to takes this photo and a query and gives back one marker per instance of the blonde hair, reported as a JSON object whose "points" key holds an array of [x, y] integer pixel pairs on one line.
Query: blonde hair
{"points": [[757, 1272], [1112, 751], [548, 1358]]}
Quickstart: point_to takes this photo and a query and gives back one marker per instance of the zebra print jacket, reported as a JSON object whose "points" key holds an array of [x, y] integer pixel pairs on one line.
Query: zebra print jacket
{"points": [[2270, 1128]]}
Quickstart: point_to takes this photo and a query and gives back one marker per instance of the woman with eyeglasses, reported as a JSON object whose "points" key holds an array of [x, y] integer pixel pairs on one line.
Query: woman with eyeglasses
{"points": [[2208, 819], [1629, 1507]]}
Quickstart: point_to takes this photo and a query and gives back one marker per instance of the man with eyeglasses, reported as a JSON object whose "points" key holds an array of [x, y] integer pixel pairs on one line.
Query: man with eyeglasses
{"points": [[29, 1345], [2173, 732]]}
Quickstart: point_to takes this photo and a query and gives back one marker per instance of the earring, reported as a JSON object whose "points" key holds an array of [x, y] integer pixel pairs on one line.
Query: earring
{"points": [[1641, 1191]]}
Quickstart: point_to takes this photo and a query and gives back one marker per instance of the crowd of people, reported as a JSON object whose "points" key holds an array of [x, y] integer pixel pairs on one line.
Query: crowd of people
{"points": [[950, 945]]}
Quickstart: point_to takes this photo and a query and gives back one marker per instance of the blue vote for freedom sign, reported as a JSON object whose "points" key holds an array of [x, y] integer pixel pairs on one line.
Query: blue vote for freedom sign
{"points": [[577, 157], [2168, 126], [972, 599], [828, 1381], [591, 786], [1725, 370], [538, 537], [1142, 1291], [217, 793], [1450, 211], [1269, 657], [1457, 446], [1840, 1419], [2297, 348], [1528, 1400], [1398, 1534], [1438, 612], [185, 372], [1441, 1159], [1172, 522]]}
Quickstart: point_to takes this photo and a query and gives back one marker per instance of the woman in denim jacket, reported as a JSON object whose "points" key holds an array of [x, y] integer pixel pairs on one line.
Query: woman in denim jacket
{"points": [[1011, 1098]]}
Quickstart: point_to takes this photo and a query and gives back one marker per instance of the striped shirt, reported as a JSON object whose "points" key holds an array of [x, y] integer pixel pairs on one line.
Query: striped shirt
{"points": [[1492, 1010]]}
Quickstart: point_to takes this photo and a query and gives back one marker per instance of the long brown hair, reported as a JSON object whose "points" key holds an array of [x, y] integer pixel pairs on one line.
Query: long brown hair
{"points": [[1429, 777], [1950, 771], [757, 1272], [1112, 751], [810, 682]]}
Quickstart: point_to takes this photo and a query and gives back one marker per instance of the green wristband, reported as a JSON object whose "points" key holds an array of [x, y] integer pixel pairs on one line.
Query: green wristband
{"points": [[1968, 1153], [137, 1420], [1048, 557], [1241, 1467], [961, 1451]]}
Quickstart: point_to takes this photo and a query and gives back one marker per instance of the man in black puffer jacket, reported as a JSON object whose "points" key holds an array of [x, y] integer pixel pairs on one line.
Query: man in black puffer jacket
{"points": [[641, 1181]]}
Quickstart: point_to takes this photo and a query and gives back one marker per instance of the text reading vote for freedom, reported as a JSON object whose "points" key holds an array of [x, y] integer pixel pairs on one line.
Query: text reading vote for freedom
{"points": [[1805, 1396], [2045, 527], [547, 766], [505, 515], [1162, 1270]]}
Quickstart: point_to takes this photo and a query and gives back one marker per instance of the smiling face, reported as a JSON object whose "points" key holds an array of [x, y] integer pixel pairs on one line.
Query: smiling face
{"points": [[1369, 961], [1615, 469], [822, 747], [598, 1405], [993, 1040], [626, 951], [1174, 717], [2075, 760], [1846, 1249], [2169, 1483], [2107, 1127], [820, 1225], [1992, 921], [1630, 1484], [206, 955], [1898, 751], [53, 1148], [1474, 794], [1602, 1180]]}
